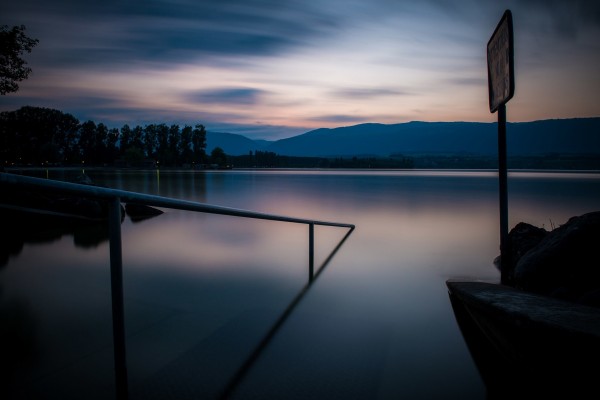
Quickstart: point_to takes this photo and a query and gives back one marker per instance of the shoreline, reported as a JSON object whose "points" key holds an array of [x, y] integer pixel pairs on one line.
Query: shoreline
{"points": [[180, 169]]}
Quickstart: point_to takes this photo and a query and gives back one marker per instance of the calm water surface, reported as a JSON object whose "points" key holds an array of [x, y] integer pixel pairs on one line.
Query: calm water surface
{"points": [[201, 290]]}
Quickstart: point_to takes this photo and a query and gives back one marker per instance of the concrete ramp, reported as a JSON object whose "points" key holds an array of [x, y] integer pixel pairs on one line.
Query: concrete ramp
{"points": [[527, 343]]}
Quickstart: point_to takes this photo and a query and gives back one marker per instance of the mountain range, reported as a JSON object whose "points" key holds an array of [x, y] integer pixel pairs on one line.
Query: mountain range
{"points": [[564, 136]]}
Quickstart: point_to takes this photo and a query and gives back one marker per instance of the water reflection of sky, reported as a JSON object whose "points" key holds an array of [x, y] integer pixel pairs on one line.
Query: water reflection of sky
{"points": [[188, 275]]}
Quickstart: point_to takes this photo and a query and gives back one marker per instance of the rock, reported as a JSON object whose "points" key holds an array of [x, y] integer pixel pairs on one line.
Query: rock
{"points": [[89, 208], [564, 263], [522, 238], [139, 212], [84, 180]]}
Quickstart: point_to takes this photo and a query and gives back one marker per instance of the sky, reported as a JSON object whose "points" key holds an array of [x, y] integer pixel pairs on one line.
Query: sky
{"points": [[270, 69]]}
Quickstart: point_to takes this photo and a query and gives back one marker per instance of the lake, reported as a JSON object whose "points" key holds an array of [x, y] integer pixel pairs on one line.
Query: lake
{"points": [[201, 290]]}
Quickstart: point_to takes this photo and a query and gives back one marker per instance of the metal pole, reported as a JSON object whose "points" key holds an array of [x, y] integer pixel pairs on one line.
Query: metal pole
{"points": [[311, 251], [118, 309], [503, 190]]}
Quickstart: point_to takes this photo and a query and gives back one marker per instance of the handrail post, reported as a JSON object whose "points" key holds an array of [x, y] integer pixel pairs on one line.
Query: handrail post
{"points": [[118, 309], [311, 251]]}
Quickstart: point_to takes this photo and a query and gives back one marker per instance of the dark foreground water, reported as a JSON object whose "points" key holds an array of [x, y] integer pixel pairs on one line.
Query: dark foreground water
{"points": [[201, 290]]}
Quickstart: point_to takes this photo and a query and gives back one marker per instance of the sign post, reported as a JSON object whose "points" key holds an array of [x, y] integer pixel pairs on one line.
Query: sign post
{"points": [[501, 87]]}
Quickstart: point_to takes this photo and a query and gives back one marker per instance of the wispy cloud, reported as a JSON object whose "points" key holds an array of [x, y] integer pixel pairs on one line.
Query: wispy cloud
{"points": [[339, 118], [468, 81], [368, 93], [243, 96], [563, 20], [86, 33]]}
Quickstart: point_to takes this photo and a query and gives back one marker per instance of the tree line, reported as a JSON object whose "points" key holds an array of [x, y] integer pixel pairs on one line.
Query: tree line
{"points": [[269, 159], [44, 136], [38, 136]]}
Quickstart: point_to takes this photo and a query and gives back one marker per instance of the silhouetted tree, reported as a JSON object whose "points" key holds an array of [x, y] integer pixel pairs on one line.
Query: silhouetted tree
{"points": [[131, 144], [70, 137], [199, 143], [173, 155], [185, 145], [162, 140], [100, 144], [218, 156], [13, 69], [134, 156], [150, 136], [88, 132], [110, 141], [265, 159], [137, 138], [34, 135], [125, 139]]}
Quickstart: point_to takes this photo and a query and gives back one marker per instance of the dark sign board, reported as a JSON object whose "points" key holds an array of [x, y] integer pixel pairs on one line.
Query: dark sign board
{"points": [[500, 61]]}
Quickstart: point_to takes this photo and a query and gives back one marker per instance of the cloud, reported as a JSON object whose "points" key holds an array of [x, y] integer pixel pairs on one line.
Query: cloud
{"points": [[564, 19], [87, 33], [339, 118], [469, 81], [368, 93], [240, 96]]}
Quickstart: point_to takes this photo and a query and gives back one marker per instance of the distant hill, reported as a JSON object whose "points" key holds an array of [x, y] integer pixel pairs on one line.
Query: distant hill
{"points": [[565, 136], [232, 143]]}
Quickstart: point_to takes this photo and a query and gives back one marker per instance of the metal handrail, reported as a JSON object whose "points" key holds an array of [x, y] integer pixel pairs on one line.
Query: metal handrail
{"points": [[152, 200], [114, 198]]}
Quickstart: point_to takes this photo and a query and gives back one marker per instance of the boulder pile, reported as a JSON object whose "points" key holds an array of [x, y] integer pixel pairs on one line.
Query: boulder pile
{"points": [[562, 263]]}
